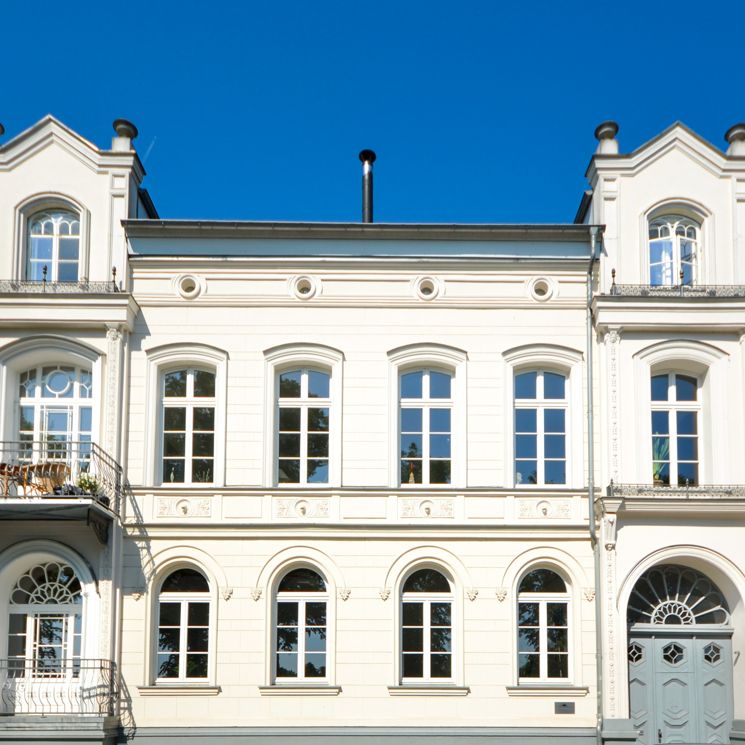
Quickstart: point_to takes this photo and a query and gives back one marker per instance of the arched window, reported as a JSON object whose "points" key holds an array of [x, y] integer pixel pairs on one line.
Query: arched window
{"points": [[426, 628], [673, 250], [56, 413], [426, 425], [183, 627], [675, 428], [188, 426], [540, 428], [671, 595], [301, 630], [303, 426], [543, 627], [45, 623], [53, 246]]}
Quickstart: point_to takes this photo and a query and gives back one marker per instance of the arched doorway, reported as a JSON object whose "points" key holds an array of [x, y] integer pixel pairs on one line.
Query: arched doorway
{"points": [[680, 657]]}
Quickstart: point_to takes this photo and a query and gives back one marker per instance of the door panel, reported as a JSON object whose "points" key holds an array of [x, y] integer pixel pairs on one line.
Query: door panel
{"points": [[680, 689]]}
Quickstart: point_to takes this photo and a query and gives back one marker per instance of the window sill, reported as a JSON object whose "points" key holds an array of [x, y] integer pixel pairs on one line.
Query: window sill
{"points": [[427, 689], [548, 689], [179, 689], [299, 690]]}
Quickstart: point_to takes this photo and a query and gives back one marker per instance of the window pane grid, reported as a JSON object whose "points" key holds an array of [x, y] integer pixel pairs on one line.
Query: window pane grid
{"points": [[301, 637], [303, 429], [188, 440], [426, 640], [540, 453], [425, 426], [673, 251], [674, 419], [543, 638], [54, 243]]}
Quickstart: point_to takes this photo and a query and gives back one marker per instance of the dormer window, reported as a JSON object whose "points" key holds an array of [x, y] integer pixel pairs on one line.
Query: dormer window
{"points": [[673, 250], [53, 250]]}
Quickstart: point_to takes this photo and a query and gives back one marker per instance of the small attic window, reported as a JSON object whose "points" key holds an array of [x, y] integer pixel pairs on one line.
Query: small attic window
{"points": [[53, 246], [674, 250]]}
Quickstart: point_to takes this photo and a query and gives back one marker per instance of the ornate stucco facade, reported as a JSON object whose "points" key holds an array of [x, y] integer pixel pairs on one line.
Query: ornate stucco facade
{"points": [[289, 482]]}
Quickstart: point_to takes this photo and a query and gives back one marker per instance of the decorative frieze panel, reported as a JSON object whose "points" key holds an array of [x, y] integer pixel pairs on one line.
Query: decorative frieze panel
{"points": [[426, 508], [301, 509], [183, 507], [543, 508]]}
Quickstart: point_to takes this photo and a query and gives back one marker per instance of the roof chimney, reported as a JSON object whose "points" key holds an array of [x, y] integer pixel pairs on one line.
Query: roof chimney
{"points": [[367, 157], [606, 136], [125, 133], [735, 135]]}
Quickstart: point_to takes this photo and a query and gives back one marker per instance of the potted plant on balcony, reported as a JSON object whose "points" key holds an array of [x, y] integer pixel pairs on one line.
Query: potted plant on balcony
{"points": [[88, 483], [660, 453]]}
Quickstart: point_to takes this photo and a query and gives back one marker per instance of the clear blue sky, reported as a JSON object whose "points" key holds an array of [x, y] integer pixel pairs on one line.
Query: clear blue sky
{"points": [[479, 111]]}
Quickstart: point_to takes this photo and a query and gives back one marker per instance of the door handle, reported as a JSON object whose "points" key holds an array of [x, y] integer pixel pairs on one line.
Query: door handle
{"points": [[659, 735]]}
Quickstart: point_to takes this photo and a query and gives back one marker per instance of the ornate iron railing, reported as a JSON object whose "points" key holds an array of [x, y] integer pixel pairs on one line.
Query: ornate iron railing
{"points": [[56, 288], [77, 686], [33, 468], [658, 491], [686, 291]]}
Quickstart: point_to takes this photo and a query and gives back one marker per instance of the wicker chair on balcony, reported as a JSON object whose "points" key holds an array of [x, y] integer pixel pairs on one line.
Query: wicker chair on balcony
{"points": [[39, 479]]}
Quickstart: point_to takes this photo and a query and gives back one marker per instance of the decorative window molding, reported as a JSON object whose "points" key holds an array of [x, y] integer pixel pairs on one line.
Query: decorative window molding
{"points": [[305, 358], [543, 359], [429, 358], [708, 366], [170, 563], [166, 359], [50, 202]]}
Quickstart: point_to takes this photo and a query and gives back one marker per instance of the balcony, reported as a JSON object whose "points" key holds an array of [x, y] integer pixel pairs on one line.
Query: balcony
{"points": [[60, 480], [660, 491], [669, 291], [51, 687]]}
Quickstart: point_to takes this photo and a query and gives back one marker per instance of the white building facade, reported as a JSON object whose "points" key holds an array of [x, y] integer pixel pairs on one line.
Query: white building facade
{"points": [[284, 482]]}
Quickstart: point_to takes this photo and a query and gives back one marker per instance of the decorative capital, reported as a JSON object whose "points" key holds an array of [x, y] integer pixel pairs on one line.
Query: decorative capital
{"points": [[589, 593], [343, 593], [609, 532], [113, 334], [227, 593], [137, 594], [256, 593], [384, 593], [501, 593], [472, 593]]}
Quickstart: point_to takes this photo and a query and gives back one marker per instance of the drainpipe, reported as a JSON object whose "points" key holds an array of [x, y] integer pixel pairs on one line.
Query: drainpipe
{"points": [[595, 243]]}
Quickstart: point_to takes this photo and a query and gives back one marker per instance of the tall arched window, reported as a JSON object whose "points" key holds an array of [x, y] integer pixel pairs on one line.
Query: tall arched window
{"points": [[56, 409], [675, 428], [53, 243], [188, 433], [426, 408], [303, 426], [45, 623], [301, 630], [426, 628], [542, 627], [183, 627], [540, 428], [673, 250]]}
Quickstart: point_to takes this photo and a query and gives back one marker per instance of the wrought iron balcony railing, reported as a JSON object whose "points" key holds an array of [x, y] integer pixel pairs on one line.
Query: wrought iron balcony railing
{"points": [[686, 291], [42, 287], [59, 468], [660, 491], [48, 687]]}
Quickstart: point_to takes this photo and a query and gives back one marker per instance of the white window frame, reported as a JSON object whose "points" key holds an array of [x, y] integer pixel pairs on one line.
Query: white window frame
{"points": [[184, 598], [44, 202], [543, 599], [189, 402], [672, 220], [540, 403], [426, 403], [427, 599], [303, 402], [300, 598], [564, 361], [289, 357], [671, 407], [180, 357], [440, 358]]}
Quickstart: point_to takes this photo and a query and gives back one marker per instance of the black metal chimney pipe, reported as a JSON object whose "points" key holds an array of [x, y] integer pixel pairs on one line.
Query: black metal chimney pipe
{"points": [[368, 158]]}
